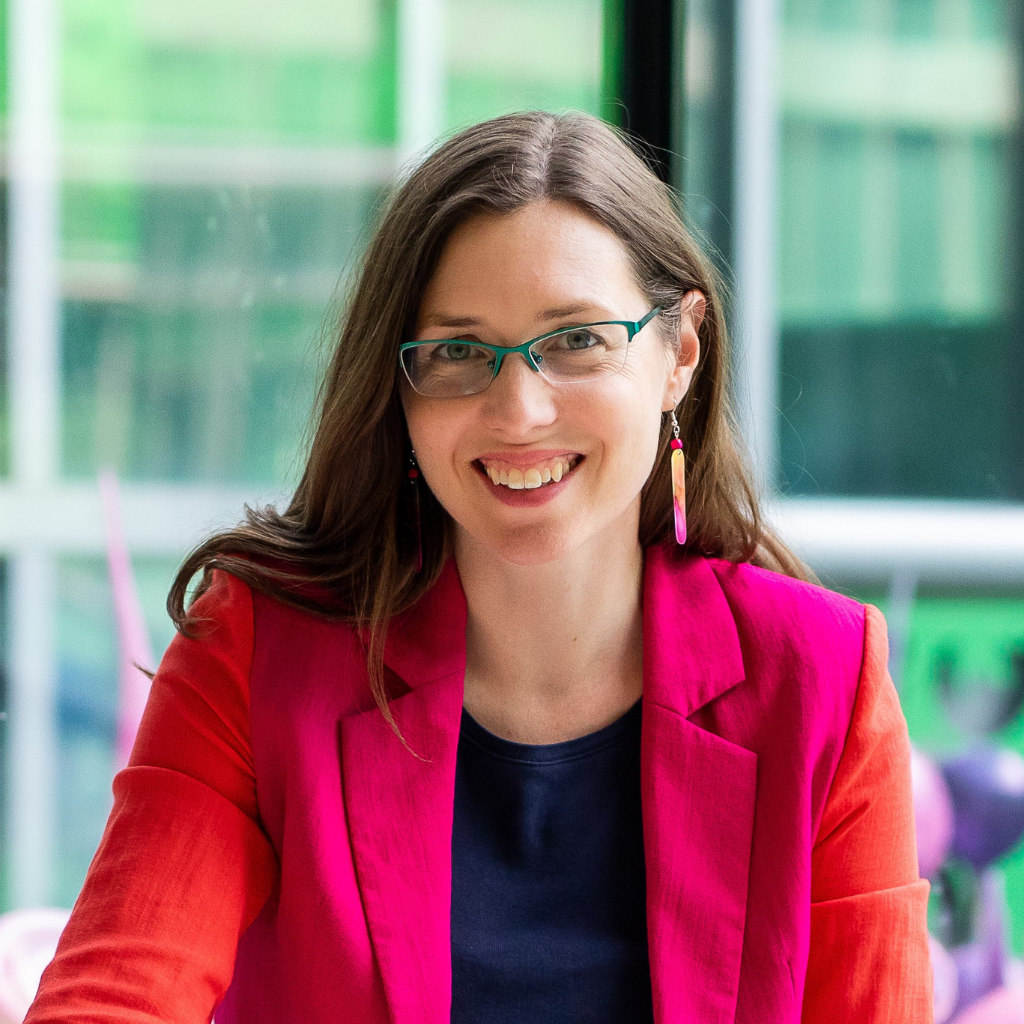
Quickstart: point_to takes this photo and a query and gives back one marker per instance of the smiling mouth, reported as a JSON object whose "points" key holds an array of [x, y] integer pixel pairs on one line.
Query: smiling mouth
{"points": [[520, 478]]}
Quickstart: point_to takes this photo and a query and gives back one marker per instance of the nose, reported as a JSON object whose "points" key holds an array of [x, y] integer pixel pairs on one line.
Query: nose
{"points": [[518, 400]]}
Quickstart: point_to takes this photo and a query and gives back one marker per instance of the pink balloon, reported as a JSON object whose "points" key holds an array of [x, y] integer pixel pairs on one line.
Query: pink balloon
{"points": [[28, 940], [933, 813], [1003, 1006]]}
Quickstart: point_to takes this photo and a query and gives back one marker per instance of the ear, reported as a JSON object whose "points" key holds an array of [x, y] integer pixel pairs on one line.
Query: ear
{"points": [[692, 307]]}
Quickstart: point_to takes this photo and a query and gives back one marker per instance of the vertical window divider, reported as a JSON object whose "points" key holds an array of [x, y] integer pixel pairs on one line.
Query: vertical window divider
{"points": [[33, 333]]}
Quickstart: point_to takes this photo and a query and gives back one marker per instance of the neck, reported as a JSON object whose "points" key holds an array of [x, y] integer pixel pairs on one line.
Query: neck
{"points": [[553, 651]]}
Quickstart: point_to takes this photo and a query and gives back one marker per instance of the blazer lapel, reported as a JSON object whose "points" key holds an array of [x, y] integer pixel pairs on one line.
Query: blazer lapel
{"points": [[698, 795], [399, 799]]}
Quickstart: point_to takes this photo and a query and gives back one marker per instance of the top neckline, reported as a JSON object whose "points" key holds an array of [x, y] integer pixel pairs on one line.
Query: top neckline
{"points": [[550, 753]]}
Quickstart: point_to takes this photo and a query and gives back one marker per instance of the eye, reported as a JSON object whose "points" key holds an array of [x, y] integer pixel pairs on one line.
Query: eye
{"points": [[454, 351], [579, 339]]}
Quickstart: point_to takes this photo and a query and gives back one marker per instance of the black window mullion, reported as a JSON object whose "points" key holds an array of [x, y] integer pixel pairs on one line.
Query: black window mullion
{"points": [[647, 105]]}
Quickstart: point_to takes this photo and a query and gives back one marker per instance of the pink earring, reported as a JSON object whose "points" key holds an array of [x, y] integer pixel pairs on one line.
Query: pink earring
{"points": [[678, 482]]}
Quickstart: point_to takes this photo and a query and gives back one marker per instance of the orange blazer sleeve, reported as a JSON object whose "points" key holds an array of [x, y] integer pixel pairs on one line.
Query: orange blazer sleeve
{"points": [[869, 960], [183, 866]]}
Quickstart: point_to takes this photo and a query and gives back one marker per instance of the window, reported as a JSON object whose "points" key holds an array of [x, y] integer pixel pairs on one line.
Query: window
{"points": [[189, 184]]}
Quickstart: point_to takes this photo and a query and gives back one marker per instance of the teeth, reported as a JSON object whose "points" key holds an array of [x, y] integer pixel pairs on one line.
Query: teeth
{"points": [[532, 478]]}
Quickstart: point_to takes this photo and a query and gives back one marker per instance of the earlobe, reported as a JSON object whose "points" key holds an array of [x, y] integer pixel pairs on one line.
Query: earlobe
{"points": [[676, 387], [679, 379]]}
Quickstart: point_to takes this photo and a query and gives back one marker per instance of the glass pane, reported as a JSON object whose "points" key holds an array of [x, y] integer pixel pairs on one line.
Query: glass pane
{"points": [[522, 54], [708, 125], [222, 166], [901, 372], [198, 362]]}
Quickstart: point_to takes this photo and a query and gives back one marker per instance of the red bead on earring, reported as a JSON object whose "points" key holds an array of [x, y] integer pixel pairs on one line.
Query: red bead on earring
{"points": [[678, 482]]}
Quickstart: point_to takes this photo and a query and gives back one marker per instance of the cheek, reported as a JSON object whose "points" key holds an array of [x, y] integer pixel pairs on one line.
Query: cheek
{"points": [[630, 423], [434, 429], [425, 427], [624, 430], [637, 447]]}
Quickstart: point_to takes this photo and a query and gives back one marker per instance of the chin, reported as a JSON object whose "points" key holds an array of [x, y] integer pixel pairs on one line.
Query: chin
{"points": [[529, 546]]}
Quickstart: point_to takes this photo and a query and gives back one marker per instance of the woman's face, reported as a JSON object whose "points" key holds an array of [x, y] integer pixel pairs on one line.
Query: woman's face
{"points": [[504, 279]]}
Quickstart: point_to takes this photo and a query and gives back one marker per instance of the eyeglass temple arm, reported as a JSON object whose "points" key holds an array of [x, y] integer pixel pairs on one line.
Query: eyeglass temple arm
{"points": [[639, 325]]}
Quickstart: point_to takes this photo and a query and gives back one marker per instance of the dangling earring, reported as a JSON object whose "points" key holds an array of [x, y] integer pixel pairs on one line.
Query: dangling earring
{"points": [[678, 482], [414, 501]]}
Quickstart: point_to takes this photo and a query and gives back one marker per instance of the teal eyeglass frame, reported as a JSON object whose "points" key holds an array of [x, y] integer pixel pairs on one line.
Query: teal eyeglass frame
{"points": [[633, 328]]}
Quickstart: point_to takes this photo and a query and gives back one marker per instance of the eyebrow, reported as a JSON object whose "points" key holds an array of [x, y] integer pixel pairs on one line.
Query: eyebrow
{"points": [[462, 322]]}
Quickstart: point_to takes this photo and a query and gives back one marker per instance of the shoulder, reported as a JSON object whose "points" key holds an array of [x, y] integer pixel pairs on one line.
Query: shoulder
{"points": [[756, 589], [206, 669], [226, 601], [220, 623], [778, 613], [806, 651], [197, 718], [232, 611]]}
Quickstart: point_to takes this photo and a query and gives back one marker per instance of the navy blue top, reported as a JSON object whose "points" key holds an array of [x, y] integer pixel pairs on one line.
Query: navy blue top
{"points": [[549, 923]]}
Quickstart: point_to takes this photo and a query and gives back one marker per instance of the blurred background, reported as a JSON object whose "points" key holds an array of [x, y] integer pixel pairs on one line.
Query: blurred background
{"points": [[186, 183]]}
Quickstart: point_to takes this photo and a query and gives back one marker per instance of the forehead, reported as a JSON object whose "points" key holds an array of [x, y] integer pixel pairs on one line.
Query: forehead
{"points": [[513, 266]]}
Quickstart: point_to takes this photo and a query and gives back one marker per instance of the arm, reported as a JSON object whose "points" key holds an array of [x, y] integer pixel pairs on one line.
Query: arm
{"points": [[183, 866], [869, 960]]}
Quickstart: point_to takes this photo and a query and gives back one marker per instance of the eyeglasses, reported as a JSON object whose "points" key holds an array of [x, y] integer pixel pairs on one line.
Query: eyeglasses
{"points": [[453, 368]]}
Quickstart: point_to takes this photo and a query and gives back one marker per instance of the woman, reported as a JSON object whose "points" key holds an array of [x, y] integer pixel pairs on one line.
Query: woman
{"points": [[488, 726]]}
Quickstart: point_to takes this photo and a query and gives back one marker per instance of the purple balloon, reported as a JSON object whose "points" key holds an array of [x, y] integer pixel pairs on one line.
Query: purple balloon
{"points": [[945, 980], [987, 788], [933, 813], [982, 964], [976, 973]]}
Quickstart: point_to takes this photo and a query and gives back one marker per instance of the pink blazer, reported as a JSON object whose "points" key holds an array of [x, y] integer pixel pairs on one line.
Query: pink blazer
{"points": [[749, 684], [776, 814]]}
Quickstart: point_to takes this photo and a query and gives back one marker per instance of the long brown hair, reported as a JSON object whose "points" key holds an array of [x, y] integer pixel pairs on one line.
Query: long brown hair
{"points": [[343, 547]]}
